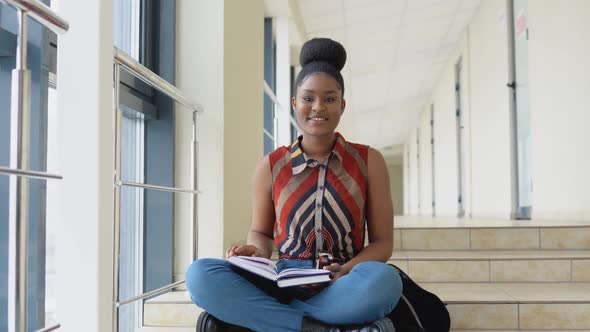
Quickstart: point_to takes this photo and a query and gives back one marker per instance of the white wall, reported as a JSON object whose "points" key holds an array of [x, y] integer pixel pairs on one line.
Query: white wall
{"points": [[559, 50], [490, 121]]}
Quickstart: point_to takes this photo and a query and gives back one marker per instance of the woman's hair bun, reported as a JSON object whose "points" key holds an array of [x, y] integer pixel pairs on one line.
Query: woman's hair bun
{"points": [[323, 50]]}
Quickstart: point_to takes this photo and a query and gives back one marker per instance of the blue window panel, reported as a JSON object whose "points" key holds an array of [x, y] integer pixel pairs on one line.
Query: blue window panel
{"points": [[158, 52], [268, 144]]}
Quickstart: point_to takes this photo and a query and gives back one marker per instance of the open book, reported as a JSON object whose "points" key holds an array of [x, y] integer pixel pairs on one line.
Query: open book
{"points": [[288, 277]]}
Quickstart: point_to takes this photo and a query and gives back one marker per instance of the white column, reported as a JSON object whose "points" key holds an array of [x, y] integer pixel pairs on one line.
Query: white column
{"points": [[283, 65], [220, 65], [84, 250], [199, 74]]}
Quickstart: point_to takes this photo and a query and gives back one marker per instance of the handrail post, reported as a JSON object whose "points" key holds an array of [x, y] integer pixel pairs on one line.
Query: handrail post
{"points": [[40, 12], [19, 186], [117, 194]]}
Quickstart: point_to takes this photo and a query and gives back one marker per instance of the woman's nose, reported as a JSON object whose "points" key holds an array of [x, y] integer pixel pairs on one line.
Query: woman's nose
{"points": [[319, 106]]}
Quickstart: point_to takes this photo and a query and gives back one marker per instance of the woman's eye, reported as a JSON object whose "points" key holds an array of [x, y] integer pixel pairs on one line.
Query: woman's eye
{"points": [[330, 99], [307, 99]]}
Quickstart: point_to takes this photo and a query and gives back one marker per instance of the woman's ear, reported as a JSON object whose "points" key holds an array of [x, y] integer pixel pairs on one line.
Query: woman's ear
{"points": [[343, 106], [293, 103]]}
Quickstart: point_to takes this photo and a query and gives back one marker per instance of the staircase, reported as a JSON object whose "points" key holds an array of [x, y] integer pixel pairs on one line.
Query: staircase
{"points": [[494, 275]]}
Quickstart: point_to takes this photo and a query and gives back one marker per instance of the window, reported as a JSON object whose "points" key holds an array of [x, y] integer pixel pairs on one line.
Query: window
{"points": [[145, 30], [269, 134], [294, 130], [280, 126]]}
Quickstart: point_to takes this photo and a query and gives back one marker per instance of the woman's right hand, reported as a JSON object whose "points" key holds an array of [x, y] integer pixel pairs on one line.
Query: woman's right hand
{"points": [[244, 250]]}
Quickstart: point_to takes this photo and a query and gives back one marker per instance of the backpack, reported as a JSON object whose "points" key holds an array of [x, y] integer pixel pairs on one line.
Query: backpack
{"points": [[419, 310]]}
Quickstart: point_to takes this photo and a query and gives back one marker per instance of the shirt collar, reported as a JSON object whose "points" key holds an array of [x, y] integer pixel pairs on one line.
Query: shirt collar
{"points": [[299, 160]]}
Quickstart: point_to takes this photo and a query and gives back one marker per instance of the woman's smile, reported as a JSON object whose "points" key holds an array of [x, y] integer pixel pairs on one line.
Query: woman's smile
{"points": [[317, 119]]}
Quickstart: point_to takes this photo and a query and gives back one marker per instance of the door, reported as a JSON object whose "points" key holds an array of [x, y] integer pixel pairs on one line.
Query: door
{"points": [[460, 141], [520, 109], [432, 160]]}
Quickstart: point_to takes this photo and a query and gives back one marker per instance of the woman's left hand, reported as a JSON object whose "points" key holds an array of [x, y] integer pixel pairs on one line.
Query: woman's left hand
{"points": [[337, 271]]}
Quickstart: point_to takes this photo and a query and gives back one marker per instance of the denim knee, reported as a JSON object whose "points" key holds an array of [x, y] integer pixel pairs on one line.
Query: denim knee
{"points": [[199, 276], [370, 292], [383, 285], [389, 279]]}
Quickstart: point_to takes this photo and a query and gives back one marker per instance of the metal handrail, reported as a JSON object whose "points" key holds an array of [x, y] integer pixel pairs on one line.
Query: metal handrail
{"points": [[122, 60], [18, 223], [140, 71], [269, 135], [42, 14], [154, 187], [151, 293], [29, 174], [50, 328]]}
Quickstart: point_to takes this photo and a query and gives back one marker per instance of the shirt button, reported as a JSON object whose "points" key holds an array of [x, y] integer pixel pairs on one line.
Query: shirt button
{"points": [[321, 187], [319, 206], [319, 230]]}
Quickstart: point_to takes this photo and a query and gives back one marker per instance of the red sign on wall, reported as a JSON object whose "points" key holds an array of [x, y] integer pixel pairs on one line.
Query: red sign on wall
{"points": [[520, 25]]}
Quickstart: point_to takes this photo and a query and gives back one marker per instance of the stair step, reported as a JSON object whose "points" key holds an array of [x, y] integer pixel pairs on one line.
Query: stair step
{"points": [[486, 255], [408, 222], [475, 306], [447, 233], [495, 266], [523, 306], [173, 309], [492, 238]]}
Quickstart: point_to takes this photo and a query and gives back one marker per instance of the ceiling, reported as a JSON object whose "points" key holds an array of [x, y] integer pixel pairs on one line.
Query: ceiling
{"points": [[396, 52]]}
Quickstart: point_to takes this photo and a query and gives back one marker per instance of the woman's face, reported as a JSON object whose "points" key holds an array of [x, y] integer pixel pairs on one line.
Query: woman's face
{"points": [[318, 105]]}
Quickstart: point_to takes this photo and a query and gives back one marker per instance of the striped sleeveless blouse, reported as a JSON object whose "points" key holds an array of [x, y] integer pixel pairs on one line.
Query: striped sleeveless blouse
{"points": [[319, 207]]}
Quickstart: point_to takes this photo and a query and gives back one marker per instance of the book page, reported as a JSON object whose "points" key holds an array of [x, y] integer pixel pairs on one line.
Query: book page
{"points": [[257, 265], [287, 273]]}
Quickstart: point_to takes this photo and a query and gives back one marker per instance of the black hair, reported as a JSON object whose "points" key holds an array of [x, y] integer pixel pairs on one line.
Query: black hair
{"points": [[322, 55]]}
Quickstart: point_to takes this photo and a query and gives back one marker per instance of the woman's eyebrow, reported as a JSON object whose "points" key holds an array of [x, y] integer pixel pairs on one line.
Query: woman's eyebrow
{"points": [[330, 92]]}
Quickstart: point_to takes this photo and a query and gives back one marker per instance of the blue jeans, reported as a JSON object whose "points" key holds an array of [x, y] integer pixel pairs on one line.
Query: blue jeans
{"points": [[369, 292]]}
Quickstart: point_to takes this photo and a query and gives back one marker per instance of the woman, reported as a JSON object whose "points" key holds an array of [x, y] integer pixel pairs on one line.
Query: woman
{"points": [[315, 196]]}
